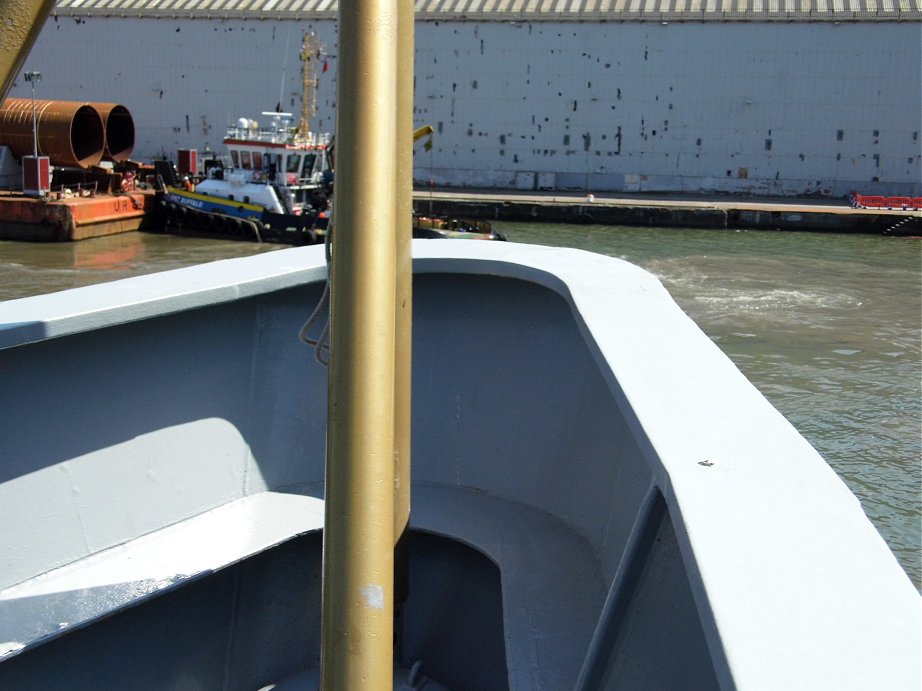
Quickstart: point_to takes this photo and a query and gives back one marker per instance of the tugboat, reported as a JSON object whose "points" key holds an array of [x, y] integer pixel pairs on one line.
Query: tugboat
{"points": [[277, 188], [279, 182]]}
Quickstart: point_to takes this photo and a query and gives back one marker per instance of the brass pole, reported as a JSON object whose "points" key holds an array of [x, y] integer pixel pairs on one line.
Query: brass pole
{"points": [[358, 560], [404, 306], [21, 21]]}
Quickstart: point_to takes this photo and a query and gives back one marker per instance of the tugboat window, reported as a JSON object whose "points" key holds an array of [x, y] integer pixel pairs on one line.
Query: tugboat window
{"points": [[245, 160], [235, 159], [293, 164], [257, 160], [308, 164]]}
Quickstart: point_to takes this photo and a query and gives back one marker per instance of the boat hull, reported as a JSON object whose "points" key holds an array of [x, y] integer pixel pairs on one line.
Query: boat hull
{"points": [[185, 212], [637, 514], [74, 217]]}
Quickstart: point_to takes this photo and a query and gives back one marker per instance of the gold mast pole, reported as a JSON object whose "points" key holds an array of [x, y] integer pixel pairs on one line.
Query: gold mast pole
{"points": [[21, 22], [404, 306], [358, 559]]}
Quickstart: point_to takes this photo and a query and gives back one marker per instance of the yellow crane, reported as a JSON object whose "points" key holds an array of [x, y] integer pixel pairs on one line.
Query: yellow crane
{"points": [[422, 132]]}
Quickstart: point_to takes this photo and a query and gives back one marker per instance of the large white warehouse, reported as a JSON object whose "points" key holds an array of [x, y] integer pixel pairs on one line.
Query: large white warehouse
{"points": [[743, 96]]}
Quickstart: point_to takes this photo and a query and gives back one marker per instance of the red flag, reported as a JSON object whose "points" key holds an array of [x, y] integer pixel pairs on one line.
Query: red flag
{"points": [[326, 66]]}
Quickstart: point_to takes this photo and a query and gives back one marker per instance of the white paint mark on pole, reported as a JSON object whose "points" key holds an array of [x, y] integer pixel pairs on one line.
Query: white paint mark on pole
{"points": [[373, 595]]}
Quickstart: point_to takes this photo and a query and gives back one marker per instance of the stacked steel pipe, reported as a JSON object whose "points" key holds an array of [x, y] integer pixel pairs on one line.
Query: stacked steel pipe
{"points": [[119, 128], [70, 133]]}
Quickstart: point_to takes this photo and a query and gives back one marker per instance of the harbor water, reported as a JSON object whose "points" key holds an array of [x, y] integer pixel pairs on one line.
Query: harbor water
{"points": [[828, 327]]}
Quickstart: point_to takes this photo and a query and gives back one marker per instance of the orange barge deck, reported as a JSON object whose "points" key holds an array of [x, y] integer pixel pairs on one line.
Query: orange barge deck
{"points": [[74, 218]]}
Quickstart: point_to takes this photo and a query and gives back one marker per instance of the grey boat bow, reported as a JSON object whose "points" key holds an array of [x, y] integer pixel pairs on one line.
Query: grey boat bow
{"points": [[624, 508]]}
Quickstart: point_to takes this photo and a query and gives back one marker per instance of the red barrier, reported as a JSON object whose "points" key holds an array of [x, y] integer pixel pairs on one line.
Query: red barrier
{"points": [[861, 201], [870, 202]]}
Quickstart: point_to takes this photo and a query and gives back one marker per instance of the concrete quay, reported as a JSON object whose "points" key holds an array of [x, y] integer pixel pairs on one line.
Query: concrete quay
{"points": [[659, 210]]}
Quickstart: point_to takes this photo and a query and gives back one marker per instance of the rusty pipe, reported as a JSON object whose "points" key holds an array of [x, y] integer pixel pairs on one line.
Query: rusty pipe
{"points": [[119, 127], [70, 133]]}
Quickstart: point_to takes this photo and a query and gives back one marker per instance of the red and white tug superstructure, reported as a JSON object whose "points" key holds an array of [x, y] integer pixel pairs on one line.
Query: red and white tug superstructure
{"points": [[275, 166]]}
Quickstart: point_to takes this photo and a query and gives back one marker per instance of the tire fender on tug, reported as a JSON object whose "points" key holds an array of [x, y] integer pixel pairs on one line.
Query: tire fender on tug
{"points": [[252, 228]]}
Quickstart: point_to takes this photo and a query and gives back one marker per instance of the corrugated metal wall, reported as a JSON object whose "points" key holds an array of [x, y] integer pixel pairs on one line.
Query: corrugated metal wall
{"points": [[740, 107], [745, 107], [523, 10]]}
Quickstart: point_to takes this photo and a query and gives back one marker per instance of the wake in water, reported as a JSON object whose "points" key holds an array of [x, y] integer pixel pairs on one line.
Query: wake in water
{"points": [[828, 327]]}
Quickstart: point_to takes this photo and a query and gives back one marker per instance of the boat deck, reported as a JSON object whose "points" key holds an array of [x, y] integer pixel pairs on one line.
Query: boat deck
{"points": [[540, 559]]}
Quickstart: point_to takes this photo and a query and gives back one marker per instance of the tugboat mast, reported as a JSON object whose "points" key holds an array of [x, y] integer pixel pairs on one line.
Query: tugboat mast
{"points": [[311, 53]]}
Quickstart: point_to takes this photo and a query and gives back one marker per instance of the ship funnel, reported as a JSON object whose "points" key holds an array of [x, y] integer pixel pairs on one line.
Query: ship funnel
{"points": [[119, 127], [70, 133]]}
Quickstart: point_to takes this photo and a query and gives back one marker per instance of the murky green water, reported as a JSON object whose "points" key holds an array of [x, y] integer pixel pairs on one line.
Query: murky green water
{"points": [[828, 327], [34, 268]]}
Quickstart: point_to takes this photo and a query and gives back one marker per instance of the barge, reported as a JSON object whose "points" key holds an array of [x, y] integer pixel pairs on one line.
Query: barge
{"points": [[73, 217], [67, 173]]}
